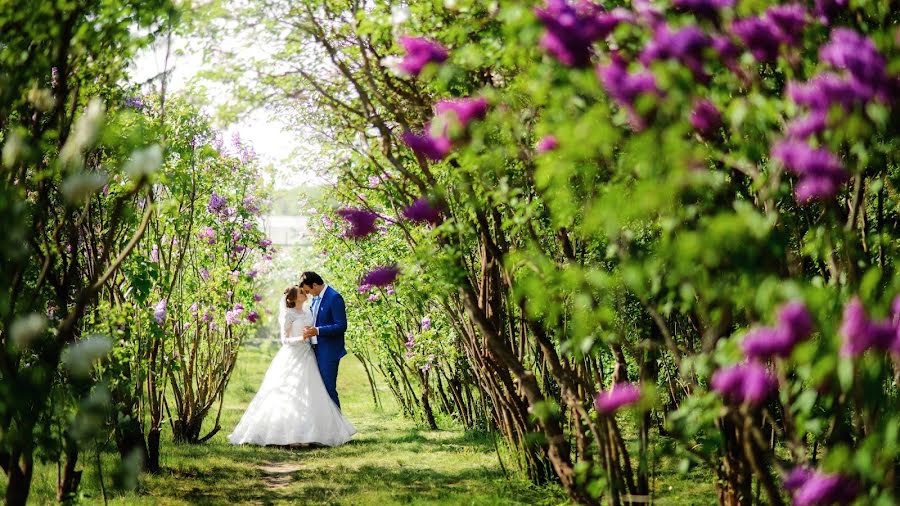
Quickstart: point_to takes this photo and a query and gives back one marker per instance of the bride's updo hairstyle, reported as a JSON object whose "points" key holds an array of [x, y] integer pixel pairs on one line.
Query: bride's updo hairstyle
{"points": [[290, 296]]}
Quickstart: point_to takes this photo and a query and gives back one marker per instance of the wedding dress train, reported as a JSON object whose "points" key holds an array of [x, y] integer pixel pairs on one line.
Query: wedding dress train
{"points": [[292, 405]]}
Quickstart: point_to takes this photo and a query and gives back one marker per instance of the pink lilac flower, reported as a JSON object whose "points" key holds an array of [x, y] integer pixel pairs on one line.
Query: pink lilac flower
{"points": [[547, 143], [390, 290], [154, 254], [410, 342], [362, 222], [426, 323], [327, 221], [232, 317], [204, 274], [861, 334], [208, 233], [257, 297], [207, 316], [252, 273], [265, 243], [194, 309], [617, 397], [814, 488], [159, 311], [373, 297], [685, 45], [239, 307], [252, 317], [374, 181], [382, 276], [419, 53], [706, 118], [825, 89], [464, 109], [237, 248], [624, 87], [821, 172], [572, 28], [365, 288], [423, 211], [433, 148], [748, 383]]}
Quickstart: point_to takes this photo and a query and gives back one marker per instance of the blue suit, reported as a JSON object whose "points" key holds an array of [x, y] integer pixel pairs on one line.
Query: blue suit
{"points": [[331, 322]]}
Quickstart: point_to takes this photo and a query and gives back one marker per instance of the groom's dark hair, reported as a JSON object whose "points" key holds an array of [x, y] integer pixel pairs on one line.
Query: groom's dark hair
{"points": [[310, 278]]}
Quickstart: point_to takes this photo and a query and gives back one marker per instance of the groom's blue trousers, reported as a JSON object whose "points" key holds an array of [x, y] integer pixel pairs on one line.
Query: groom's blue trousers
{"points": [[328, 368]]}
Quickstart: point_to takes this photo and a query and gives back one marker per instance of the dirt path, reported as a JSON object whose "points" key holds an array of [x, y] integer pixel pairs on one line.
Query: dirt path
{"points": [[277, 475]]}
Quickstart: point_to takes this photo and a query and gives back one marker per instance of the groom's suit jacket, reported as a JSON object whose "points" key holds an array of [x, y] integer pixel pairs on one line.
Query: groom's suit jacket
{"points": [[331, 320]]}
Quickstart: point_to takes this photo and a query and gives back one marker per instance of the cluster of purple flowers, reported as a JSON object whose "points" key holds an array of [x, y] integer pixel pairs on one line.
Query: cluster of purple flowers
{"points": [[159, 311], [748, 383], [209, 234], [362, 222], [426, 323], [685, 45], [216, 203], [436, 146], [419, 53], [861, 333], [706, 118], [571, 29], [794, 325], [763, 35], [815, 488], [703, 8], [423, 211], [617, 397], [380, 277], [252, 317], [821, 173], [625, 87], [154, 254], [233, 316], [251, 204]]}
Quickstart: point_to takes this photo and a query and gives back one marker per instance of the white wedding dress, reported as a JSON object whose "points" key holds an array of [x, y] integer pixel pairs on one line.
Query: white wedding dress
{"points": [[292, 406]]}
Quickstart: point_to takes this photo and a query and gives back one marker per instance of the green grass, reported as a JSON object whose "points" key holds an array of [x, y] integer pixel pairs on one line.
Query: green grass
{"points": [[391, 461]]}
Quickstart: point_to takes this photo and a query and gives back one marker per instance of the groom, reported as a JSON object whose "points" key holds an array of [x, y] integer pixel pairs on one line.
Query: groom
{"points": [[327, 333]]}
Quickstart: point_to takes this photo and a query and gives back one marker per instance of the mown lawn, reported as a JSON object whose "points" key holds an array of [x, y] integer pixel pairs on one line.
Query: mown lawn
{"points": [[390, 461]]}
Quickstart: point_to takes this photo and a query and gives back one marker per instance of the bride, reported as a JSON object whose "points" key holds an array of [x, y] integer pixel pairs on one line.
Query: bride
{"points": [[292, 406]]}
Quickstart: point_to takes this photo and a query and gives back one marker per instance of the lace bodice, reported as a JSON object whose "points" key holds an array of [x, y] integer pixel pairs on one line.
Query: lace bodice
{"points": [[294, 321]]}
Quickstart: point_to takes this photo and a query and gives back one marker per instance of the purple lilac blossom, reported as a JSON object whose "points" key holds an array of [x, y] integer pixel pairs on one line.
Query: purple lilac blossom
{"points": [[619, 396], [794, 325], [252, 317], [744, 383], [855, 53], [815, 488], [706, 118], [380, 277], [464, 109], [426, 323], [433, 148], [572, 28], [790, 19], [423, 211], [232, 317], [204, 274], [685, 45], [154, 254], [419, 53], [216, 203], [373, 297], [625, 88], [362, 222], [806, 126], [861, 334], [821, 172], [760, 35], [159, 311]]}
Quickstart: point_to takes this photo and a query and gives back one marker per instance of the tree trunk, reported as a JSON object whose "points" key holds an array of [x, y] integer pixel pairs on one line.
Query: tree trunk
{"points": [[153, 450], [68, 479], [19, 482]]}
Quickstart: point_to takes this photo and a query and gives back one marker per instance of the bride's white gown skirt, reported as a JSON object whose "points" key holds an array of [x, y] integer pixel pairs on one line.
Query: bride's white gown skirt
{"points": [[292, 406]]}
